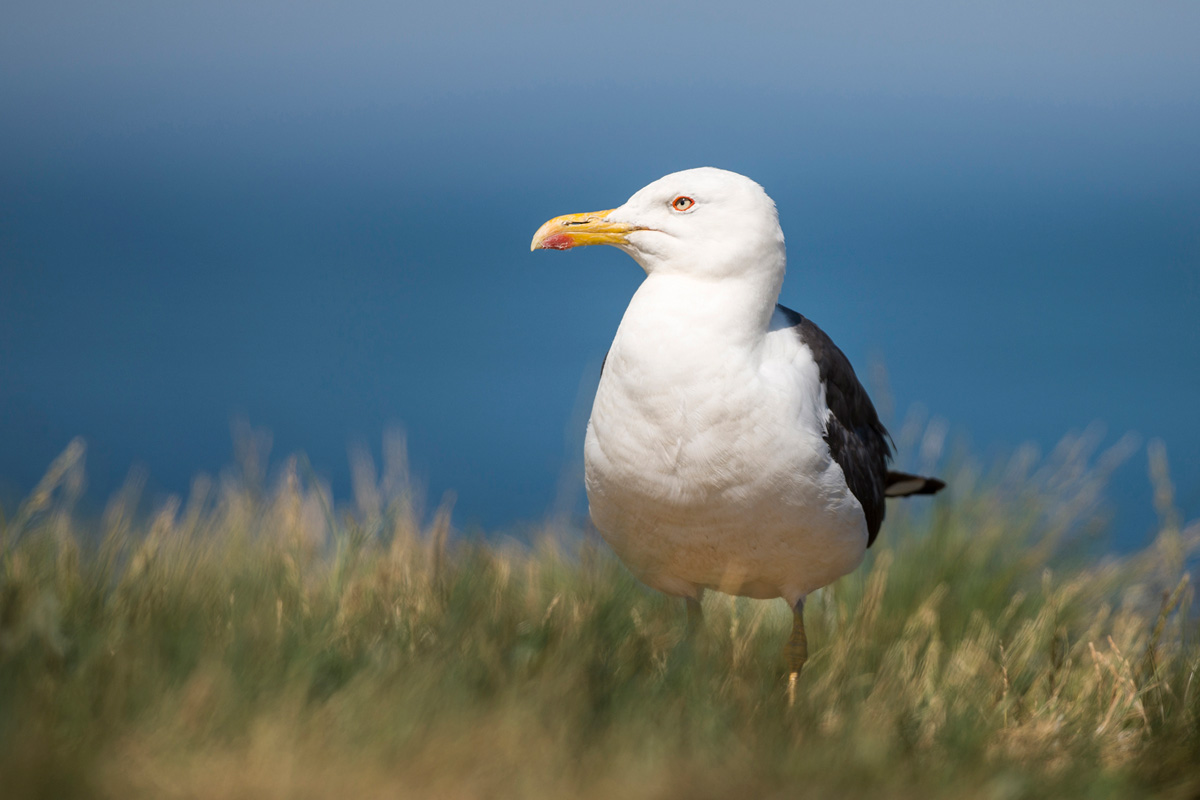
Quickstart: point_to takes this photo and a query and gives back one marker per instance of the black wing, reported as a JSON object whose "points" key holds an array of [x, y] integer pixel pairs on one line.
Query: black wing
{"points": [[857, 439]]}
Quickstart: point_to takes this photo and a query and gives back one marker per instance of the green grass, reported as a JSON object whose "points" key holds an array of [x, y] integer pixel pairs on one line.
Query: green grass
{"points": [[254, 642]]}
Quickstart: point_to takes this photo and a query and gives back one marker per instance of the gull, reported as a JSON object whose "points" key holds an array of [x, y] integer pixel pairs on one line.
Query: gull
{"points": [[731, 446]]}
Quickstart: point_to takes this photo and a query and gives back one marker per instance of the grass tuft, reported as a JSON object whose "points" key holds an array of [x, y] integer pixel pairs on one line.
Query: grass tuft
{"points": [[256, 641]]}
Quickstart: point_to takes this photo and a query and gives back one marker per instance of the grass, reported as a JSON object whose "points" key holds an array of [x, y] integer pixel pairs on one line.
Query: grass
{"points": [[255, 642]]}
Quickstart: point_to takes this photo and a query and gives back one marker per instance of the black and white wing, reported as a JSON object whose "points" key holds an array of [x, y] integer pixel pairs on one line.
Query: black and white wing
{"points": [[857, 439]]}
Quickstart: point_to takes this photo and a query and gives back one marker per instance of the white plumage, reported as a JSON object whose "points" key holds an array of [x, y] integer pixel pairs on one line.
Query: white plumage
{"points": [[704, 457]]}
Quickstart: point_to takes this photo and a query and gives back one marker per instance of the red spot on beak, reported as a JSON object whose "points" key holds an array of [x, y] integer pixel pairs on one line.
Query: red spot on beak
{"points": [[559, 241]]}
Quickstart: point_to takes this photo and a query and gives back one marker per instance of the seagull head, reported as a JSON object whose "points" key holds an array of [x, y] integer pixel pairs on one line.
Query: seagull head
{"points": [[706, 222]]}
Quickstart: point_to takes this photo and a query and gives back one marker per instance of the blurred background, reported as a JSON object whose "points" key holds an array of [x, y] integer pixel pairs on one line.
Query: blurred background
{"points": [[316, 217]]}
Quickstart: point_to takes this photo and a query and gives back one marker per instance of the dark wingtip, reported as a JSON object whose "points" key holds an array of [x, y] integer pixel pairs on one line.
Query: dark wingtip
{"points": [[901, 484], [933, 486]]}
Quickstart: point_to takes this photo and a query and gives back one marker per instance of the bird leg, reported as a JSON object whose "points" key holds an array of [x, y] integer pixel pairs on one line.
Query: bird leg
{"points": [[695, 617], [796, 650]]}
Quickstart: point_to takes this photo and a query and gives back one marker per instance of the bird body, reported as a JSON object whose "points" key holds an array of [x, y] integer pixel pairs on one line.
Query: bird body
{"points": [[705, 463], [730, 445]]}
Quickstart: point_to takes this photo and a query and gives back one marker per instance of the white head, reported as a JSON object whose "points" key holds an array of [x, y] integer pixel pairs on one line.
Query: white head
{"points": [[705, 222]]}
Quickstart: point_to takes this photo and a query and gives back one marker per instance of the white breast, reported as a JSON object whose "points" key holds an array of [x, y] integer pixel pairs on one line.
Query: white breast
{"points": [[705, 462]]}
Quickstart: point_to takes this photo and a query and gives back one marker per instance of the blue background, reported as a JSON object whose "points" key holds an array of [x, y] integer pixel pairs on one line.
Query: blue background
{"points": [[318, 217]]}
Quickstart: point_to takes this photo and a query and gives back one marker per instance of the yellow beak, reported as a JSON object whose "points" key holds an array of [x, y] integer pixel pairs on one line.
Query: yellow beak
{"points": [[579, 230]]}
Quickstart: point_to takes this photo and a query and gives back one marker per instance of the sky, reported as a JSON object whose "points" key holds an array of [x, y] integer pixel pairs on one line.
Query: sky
{"points": [[316, 217]]}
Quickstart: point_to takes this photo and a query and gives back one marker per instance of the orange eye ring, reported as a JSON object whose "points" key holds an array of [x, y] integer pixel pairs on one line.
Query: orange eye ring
{"points": [[682, 203]]}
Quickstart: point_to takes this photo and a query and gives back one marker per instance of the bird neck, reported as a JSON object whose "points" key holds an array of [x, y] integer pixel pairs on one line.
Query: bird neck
{"points": [[728, 311]]}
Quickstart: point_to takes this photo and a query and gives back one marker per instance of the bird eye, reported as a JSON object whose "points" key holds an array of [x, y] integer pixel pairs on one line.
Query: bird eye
{"points": [[682, 203]]}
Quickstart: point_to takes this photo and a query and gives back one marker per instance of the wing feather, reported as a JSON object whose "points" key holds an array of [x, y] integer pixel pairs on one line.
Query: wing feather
{"points": [[857, 439]]}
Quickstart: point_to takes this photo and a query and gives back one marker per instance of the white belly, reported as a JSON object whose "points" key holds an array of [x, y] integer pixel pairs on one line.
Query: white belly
{"points": [[706, 468]]}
